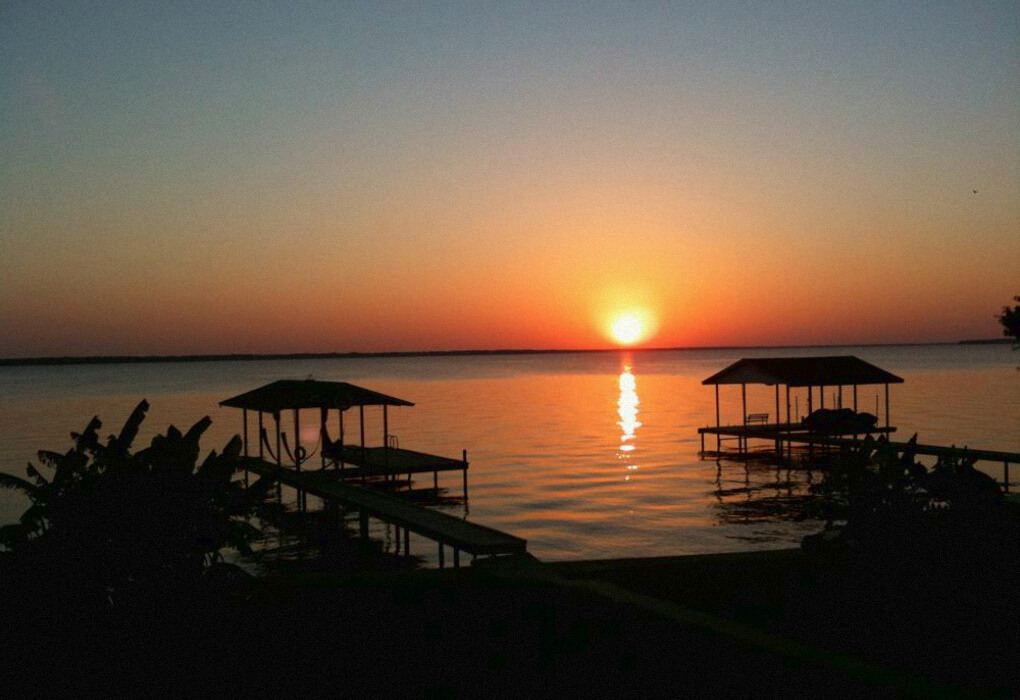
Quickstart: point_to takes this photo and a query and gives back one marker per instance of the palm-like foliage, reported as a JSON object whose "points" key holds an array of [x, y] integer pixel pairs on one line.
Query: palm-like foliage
{"points": [[896, 508], [110, 519], [1010, 320]]}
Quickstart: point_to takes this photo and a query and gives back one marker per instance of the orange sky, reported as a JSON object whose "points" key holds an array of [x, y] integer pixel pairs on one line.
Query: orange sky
{"points": [[361, 179]]}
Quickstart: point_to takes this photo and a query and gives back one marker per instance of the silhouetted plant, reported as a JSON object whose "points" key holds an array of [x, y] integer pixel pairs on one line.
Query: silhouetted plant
{"points": [[893, 507], [1010, 320], [108, 520]]}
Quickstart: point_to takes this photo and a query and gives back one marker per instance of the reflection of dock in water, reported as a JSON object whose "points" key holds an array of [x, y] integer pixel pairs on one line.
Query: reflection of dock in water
{"points": [[757, 492]]}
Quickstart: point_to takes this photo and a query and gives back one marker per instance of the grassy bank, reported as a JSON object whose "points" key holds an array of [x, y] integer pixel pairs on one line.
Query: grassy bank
{"points": [[757, 624]]}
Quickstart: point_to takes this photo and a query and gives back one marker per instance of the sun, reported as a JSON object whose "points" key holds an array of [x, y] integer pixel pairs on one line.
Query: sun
{"points": [[628, 328]]}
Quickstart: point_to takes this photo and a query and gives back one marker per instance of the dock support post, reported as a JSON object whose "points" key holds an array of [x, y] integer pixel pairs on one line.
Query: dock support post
{"points": [[702, 443], [323, 415], [718, 436], [361, 413], [810, 410], [279, 457], [887, 405], [363, 524], [244, 418], [779, 444], [456, 558], [407, 542], [742, 441], [261, 433], [386, 436], [464, 457], [435, 481], [855, 398], [341, 439], [1005, 474], [441, 563], [789, 445], [297, 459]]}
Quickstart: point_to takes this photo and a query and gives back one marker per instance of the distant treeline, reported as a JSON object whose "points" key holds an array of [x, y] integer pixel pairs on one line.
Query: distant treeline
{"points": [[987, 341], [241, 357], [250, 357]]}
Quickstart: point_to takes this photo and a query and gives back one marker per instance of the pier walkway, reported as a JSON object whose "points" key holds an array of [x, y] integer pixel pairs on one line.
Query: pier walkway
{"points": [[798, 433], [1003, 458], [460, 535]]}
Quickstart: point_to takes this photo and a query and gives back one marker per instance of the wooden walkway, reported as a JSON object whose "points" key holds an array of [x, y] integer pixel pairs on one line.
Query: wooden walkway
{"points": [[796, 432], [1003, 458], [444, 529]]}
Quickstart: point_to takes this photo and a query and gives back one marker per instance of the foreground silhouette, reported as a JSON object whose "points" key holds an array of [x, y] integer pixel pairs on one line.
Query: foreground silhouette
{"points": [[107, 586], [109, 522], [1010, 320]]}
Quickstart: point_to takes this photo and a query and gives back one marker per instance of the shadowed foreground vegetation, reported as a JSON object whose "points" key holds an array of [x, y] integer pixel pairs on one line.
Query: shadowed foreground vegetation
{"points": [[107, 523], [113, 581]]}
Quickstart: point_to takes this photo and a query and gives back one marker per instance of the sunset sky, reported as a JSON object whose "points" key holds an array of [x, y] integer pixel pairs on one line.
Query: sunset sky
{"points": [[306, 177]]}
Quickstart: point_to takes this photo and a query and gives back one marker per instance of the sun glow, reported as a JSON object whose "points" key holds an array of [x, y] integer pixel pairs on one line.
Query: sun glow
{"points": [[631, 327]]}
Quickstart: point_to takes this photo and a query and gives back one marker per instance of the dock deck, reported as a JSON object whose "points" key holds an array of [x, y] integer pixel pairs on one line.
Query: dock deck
{"points": [[461, 535], [780, 433], [387, 461], [773, 431]]}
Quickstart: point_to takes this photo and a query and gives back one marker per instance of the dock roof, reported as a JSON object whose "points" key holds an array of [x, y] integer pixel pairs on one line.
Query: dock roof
{"points": [[310, 393], [803, 371]]}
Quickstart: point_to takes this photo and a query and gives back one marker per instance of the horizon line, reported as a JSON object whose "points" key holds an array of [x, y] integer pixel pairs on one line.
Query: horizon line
{"points": [[251, 357]]}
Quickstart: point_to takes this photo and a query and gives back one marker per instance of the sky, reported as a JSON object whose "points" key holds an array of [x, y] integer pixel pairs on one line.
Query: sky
{"points": [[250, 177]]}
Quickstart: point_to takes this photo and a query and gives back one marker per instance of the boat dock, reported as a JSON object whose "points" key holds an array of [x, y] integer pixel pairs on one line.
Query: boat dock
{"points": [[799, 373], [827, 428], [446, 530], [287, 462]]}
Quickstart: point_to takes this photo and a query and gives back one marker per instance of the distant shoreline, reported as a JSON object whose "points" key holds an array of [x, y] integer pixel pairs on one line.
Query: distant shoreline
{"points": [[253, 357]]}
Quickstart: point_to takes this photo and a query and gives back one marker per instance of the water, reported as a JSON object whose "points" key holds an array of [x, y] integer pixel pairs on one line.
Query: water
{"points": [[584, 455]]}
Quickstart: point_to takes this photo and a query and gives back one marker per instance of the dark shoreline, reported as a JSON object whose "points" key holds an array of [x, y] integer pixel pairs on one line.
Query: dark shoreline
{"points": [[252, 357], [769, 624]]}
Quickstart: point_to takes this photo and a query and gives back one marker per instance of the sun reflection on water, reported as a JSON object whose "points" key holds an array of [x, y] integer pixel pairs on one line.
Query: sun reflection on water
{"points": [[627, 409]]}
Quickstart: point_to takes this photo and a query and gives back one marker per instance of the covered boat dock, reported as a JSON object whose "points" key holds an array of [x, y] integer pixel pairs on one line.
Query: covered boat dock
{"points": [[339, 463], [387, 460], [799, 373]]}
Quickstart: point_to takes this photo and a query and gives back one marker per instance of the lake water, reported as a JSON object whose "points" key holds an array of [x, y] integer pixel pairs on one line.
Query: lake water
{"points": [[586, 455]]}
